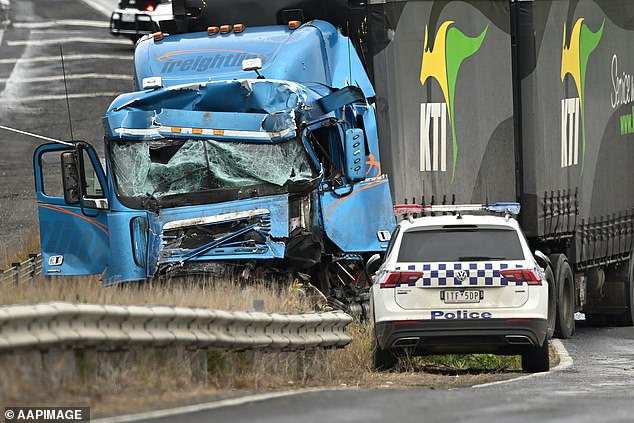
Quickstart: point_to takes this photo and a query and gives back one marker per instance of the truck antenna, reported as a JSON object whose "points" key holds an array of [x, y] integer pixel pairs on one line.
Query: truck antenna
{"points": [[349, 53], [70, 121], [42, 137]]}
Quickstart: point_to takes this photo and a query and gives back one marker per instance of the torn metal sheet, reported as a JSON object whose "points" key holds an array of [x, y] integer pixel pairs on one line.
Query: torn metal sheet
{"points": [[206, 220]]}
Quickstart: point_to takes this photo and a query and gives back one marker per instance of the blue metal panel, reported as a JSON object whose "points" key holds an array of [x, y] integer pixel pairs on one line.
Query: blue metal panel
{"points": [[353, 221], [82, 241], [373, 160], [275, 232], [316, 52], [121, 264]]}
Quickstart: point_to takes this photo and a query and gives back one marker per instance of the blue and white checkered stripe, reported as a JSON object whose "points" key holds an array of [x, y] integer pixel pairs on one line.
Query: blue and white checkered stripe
{"points": [[444, 274]]}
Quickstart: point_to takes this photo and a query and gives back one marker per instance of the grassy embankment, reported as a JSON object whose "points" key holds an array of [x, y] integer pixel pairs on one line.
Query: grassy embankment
{"points": [[106, 380]]}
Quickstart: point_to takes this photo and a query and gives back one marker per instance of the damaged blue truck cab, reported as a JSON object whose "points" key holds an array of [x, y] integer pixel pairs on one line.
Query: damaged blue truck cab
{"points": [[209, 163]]}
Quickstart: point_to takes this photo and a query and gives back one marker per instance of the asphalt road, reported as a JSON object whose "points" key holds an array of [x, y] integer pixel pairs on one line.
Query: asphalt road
{"points": [[599, 387], [98, 68]]}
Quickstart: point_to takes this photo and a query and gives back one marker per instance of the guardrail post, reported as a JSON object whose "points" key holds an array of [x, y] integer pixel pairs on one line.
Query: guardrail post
{"points": [[16, 272], [33, 262]]}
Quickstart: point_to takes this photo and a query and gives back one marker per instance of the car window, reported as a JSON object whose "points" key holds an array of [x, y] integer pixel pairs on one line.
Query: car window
{"points": [[393, 237], [447, 245]]}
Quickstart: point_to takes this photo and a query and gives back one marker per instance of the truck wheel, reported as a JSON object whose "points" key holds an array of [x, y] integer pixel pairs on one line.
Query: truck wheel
{"points": [[383, 359], [552, 302], [627, 318], [536, 359], [564, 280]]}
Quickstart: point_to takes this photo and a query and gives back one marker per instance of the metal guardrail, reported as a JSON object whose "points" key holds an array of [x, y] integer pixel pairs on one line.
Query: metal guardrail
{"points": [[24, 271], [67, 325]]}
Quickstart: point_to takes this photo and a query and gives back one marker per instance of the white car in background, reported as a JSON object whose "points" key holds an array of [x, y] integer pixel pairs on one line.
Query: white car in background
{"points": [[136, 18], [461, 283]]}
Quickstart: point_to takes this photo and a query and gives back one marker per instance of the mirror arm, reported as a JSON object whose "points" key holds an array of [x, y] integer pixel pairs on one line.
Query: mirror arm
{"points": [[79, 147]]}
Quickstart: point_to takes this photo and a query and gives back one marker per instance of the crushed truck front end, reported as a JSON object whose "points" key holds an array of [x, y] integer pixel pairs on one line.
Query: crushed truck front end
{"points": [[211, 164]]}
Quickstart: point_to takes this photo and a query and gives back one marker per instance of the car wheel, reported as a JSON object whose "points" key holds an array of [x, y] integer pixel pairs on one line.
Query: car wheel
{"points": [[564, 279], [383, 359], [536, 359]]}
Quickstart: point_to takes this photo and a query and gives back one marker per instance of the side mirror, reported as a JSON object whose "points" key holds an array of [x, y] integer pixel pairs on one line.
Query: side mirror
{"points": [[541, 259], [373, 264], [354, 144], [70, 177]]}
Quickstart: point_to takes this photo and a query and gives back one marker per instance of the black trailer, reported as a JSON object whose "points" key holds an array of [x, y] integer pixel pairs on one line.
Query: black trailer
{"points": [[491, 100]]}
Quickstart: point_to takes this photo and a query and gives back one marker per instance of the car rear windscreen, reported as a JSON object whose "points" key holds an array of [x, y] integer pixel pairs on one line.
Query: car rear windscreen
{"points": [[448, 245]]}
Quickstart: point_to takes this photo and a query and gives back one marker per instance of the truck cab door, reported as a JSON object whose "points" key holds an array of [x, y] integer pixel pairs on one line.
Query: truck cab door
{"points": [[357, 209], [72, 202]]}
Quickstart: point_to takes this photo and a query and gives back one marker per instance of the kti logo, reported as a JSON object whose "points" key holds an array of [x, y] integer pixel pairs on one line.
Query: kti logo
{"points": [[574, 61], [442, 62]]}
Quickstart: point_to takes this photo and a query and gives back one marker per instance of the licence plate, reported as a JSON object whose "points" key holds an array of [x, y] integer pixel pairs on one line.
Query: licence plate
{"points": [[455, 296], [127, 17]]}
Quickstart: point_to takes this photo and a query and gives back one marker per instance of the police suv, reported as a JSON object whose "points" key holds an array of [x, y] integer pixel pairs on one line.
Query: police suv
{"points": [[136, 18], [460, 283]]}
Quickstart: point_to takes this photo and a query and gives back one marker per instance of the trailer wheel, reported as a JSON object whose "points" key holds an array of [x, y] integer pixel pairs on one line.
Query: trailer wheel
{"points": [[552, 302], [627, 318], [564, 280]]}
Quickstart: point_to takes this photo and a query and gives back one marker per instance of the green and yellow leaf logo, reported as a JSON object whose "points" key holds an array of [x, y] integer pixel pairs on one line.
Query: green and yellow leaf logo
{"points": [[574, 61], [442, 63]]}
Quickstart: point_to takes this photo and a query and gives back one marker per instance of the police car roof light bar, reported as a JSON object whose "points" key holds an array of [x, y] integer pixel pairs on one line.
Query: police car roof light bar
{"points": [[499, 207]]}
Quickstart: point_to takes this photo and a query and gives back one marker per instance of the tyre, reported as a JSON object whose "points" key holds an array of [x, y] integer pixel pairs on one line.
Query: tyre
{"points": [[383, 360], [565, 284], [536, 359], [552, 302]]}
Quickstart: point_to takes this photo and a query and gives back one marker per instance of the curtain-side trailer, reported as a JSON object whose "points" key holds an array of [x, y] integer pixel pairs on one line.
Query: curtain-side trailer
{"points": [[489, 100]]}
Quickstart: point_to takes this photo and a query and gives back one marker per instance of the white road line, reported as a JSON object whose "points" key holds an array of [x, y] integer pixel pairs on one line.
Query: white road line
{"points": [[66, 58], [68, 77], [207, 406], [36, 98], [1, 35], [67, 40], [61, 22], [100, 7], [565, 362]]}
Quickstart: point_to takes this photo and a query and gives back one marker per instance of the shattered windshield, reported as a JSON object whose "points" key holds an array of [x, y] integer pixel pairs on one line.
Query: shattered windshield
{"points": [[170, 167]]}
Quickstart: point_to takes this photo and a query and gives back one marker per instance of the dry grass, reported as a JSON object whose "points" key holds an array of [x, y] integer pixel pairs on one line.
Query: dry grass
{"points": [[159, 377], [284, 296], [8, 254]]}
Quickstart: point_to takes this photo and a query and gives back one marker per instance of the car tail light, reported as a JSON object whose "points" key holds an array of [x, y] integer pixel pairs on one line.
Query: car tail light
{"points": [[149, 8], [521, 275], [395, 279]]}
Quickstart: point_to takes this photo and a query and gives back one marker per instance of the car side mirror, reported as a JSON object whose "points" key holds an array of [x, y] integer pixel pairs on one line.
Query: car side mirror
{"points": [[70, 177], [541, 259], [355, 154], [373, 264]]}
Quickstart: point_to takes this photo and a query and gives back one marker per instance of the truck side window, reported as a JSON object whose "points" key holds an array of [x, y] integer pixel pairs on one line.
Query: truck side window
{"points": [[331, 156], [51, 164], [93, 188]]}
